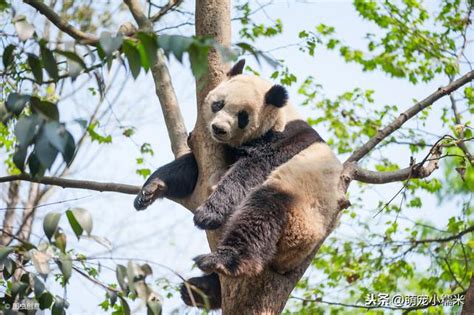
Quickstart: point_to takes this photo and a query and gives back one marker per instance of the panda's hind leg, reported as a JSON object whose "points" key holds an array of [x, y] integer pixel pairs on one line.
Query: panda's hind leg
{"points": [[203, 292], [250, 239]]}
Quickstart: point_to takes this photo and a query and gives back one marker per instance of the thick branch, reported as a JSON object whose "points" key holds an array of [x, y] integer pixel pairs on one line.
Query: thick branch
{"points": [[164, 88], [468, 307], [73, 183], [136, 9], [373, 177], [24, 232], [62, 24], [405, 116], [12, 199], [171, 5]]}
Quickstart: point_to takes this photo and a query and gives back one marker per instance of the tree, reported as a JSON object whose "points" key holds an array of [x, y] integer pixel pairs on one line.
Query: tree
{"points": [[414, 43]]}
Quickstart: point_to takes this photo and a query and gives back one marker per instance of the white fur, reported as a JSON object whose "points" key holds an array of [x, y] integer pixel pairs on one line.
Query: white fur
{"points": [[245, 92]]}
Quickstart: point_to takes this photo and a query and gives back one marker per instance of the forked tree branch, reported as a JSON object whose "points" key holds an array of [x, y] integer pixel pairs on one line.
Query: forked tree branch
{"points": [[409, 113], [163, 84], [164, 88], [415, 171], [62, 24], [171, 5]]}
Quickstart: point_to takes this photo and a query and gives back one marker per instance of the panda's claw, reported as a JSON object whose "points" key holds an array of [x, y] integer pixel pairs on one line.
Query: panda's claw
{"points": [[207, 220], [223, 261], [156, 188], [206, 262]]}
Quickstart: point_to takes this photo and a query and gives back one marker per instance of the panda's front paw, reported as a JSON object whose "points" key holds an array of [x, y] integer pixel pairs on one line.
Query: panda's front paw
{"points": [[156, 188], [229, 263], [215, 262], [206, 219]]}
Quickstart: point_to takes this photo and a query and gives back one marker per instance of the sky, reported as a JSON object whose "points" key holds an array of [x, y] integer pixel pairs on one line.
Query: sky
{"points": [[164, 235]]}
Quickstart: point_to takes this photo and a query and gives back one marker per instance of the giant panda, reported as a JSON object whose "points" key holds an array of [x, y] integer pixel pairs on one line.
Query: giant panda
{"points": [[277, 200]]}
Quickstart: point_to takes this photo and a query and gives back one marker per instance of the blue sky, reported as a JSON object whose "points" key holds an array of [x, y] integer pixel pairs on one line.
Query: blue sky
{"points": [[164, 233]]}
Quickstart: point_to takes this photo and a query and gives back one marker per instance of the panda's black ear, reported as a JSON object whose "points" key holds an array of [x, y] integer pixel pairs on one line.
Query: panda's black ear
{"points": [[276, 96], [237, 69]]}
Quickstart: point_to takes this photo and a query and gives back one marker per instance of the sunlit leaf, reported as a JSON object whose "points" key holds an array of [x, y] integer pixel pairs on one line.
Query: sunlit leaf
{"points": [[50, 224]]}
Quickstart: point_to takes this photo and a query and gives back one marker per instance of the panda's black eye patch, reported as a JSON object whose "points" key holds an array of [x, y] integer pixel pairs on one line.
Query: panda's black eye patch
{"points": [[217, 106], [243, 118]]}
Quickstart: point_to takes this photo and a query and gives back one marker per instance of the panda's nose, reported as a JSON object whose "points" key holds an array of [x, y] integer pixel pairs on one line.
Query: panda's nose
{"points": [[218, 130]]}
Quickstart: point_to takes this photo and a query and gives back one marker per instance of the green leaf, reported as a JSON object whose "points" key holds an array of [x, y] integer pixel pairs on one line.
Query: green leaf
{"points": [[72, 56], [133, 57], [19, 157], [76, 227], [110, 43], [23, 28], [25, 130], [60, 240], [175, 44], [50, 224], [36, 169], [121, 273], [49, 63], [150, 47], [8, 56], [16, 102], [80, 220], [59, 306], [75, 64], [65, 265], [199, 62], [125, 307], [9, 267], [38, 287], [97, 137], [4, 252], [45, 152], [18, 289], [45, 300], [45, 108], [61, 139], [35, 64], [153, 307]]}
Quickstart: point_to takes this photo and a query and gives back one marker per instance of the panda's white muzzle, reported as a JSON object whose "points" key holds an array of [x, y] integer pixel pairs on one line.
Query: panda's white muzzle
{"points": [[221, 127]]}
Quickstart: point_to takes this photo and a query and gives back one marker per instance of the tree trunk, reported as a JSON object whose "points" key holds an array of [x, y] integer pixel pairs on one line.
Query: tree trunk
{"points": [[468, 307], [268, 292]]}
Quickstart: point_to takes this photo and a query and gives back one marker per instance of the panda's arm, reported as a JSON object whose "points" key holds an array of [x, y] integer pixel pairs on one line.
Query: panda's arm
{"points": [[242, 177], [173, 180]]}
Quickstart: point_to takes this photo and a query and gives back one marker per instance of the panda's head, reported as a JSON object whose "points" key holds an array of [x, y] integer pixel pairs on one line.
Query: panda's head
{"points": [[243, 107]]}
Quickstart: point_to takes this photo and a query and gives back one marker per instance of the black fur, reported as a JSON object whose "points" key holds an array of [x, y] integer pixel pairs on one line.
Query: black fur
{"points": [[202, 288], [276, 96], [250, 239], [255, 161], [243, 119], [217, 106], [173, 180], [237, 69]]}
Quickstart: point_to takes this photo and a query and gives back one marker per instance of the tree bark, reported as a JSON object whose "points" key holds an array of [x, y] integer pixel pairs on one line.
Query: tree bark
{"points": [[268, 292], [468, 307], [12, 199]]}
